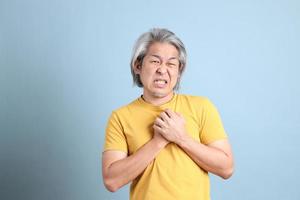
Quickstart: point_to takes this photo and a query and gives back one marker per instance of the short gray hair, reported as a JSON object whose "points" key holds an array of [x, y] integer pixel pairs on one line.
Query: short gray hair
{"points": [[143, 43]]}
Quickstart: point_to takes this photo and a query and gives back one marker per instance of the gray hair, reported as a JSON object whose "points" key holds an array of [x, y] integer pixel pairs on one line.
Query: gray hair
{"points": [[143, 43]]}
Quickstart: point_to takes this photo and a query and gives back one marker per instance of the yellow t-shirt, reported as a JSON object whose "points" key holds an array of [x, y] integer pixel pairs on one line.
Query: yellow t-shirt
{"points": [[172, 174]]}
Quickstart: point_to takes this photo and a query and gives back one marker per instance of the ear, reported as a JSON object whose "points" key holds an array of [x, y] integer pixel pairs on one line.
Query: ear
{"points": [[137, 68]]}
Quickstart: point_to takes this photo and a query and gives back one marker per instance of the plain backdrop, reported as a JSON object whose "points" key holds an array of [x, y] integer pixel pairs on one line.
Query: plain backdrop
{"points": [[65, 67]]}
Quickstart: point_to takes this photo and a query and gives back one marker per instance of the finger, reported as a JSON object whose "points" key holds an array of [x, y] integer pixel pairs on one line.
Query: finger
{"points": [[159, 122], [164, 116], [170, 113], [178, 114], [157, 129]]}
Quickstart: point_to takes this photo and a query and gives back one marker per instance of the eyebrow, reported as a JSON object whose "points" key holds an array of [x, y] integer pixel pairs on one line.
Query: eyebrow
{"points": [[157, 56]]}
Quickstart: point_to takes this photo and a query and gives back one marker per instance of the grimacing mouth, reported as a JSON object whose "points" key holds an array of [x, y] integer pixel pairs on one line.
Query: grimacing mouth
{"points": [[160, 79]]}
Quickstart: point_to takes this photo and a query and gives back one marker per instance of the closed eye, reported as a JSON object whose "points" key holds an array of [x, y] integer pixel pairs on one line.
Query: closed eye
{"points": [[171, 64], [154, 61]]}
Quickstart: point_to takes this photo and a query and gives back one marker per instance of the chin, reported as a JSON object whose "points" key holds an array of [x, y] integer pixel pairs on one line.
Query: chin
{"points": [[159, 94]]}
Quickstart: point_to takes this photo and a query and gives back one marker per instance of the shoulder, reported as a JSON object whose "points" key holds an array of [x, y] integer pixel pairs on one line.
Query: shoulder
{"points": [[125, 110], [196, 100], [197, 103]]}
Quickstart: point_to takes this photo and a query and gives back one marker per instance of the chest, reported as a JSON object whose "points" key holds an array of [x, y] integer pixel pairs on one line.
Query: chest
{"points": [[139, 128]]}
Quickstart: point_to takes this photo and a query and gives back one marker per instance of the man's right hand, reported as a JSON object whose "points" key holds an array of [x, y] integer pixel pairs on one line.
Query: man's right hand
{"points": [[159, 138]]}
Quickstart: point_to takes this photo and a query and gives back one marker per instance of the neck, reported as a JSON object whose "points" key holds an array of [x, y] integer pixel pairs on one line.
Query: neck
{"points": [[157, 100]]}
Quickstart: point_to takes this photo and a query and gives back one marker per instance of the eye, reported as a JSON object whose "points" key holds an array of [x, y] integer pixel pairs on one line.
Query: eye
{"points": [[171, 64], [154, 61]]}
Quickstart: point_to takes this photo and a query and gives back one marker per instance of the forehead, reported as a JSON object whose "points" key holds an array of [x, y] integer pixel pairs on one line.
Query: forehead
{"points": [[164, 49]]}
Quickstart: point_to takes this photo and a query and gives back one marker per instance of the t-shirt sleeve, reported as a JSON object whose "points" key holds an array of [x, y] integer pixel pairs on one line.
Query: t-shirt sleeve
{"points": [[114, 136], [212, 127]]}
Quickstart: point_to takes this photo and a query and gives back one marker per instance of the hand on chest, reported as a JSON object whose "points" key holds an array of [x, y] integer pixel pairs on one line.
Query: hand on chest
{"points": [[139, 129]]}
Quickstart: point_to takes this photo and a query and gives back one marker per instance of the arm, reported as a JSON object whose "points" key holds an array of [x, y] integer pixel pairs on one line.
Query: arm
{"points": [[118, 169], [215, 157]]}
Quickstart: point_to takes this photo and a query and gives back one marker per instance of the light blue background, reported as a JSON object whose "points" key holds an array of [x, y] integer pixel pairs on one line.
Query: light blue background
{"points": [[65, 67]]}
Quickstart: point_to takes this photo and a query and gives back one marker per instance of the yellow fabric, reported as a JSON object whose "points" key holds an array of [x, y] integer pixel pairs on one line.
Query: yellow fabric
{"points": [[172, 174]]}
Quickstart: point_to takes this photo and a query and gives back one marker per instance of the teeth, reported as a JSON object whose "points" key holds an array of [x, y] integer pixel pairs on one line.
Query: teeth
{"points": [[161, 81]]}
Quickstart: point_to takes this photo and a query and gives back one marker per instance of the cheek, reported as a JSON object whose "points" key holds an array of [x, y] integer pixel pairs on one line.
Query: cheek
{"points": [[146, 76], [148, 73], [174, 75]]}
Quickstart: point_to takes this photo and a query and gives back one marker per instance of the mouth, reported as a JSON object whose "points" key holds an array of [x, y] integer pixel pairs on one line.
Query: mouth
{"points": [[160, 83]]}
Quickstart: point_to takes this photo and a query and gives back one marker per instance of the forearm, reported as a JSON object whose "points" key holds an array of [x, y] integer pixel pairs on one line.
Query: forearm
{"points": [[208, 158], [123, 171]]}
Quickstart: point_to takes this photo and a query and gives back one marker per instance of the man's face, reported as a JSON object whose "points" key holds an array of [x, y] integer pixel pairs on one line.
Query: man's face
{"points": [[160, 70]]}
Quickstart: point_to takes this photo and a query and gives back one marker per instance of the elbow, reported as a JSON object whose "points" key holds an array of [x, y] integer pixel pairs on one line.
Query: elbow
{"points": [[227, 173], [111, 188], [110, 185]]}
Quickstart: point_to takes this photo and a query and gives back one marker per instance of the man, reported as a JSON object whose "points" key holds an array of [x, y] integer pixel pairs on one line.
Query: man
{"points": [[164, 143]]}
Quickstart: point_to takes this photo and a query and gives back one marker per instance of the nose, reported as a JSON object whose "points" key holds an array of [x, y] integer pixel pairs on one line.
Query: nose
{"points": [[161, 69]]}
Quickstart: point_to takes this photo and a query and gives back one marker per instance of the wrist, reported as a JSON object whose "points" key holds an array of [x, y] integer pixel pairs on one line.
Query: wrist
{"points": [[184, 140], [159, 143]]}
